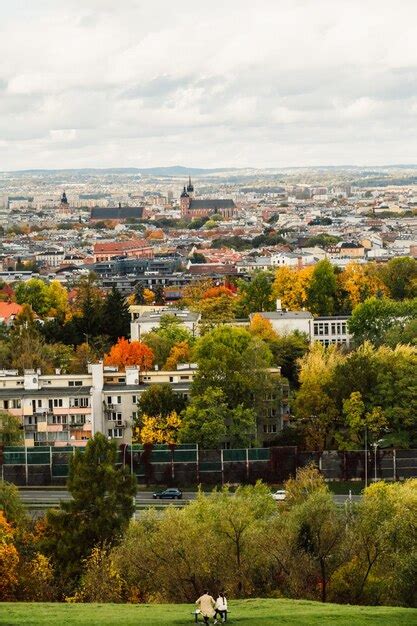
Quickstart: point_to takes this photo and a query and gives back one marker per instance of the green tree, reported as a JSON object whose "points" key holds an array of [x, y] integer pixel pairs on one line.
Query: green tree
{"points": [[170, 333], [34, 292], [256, 295], [89, 305], [375, 317], [160, 400], [400, 276], [139, 294], [100, 510], [11, 504], [231, 359], [159, 294], [11, 429], [322, 289], [115, 316]]}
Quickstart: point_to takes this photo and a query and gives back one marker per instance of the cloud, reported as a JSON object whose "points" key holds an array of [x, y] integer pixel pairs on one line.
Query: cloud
{"points": [[271, 83]]}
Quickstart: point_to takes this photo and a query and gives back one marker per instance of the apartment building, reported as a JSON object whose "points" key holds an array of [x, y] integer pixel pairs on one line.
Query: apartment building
{"points": [[68, 409], [64, 409], [327, 330]]}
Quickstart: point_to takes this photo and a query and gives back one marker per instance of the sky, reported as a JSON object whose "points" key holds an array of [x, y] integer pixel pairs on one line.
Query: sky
{"points": [[221, 83]]}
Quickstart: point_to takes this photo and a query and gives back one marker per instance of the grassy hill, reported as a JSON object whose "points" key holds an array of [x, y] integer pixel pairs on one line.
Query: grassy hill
{"points": [[259, 612]]}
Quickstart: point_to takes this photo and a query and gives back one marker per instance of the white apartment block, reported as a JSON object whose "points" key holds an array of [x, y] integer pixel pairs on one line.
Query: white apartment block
{"points": [[63, 409]]}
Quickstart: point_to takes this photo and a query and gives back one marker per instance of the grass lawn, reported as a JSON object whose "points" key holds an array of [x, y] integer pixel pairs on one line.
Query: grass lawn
{"points": [[268, 612]]}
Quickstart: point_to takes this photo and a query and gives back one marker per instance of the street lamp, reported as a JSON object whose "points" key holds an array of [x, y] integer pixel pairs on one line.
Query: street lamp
{"points": [[375, 445], [366, 456]]}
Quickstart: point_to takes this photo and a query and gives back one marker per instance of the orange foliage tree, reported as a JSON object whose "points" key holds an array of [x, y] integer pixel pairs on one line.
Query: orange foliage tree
{"points": [[216, 292], [262, 328], [180, 353], [125, 353], [9, 560]]}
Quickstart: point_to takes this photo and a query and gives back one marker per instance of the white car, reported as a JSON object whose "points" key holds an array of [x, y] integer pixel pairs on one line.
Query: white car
{"points": [[279, 495]]}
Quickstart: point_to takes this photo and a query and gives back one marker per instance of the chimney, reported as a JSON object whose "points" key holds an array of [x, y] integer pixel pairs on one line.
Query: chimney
{"points": [[278, 304]]}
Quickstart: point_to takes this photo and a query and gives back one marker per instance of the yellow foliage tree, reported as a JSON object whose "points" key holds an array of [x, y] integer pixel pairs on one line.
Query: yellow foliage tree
{"points": [[9, 560], [159, 429], [180, 353], [291, 286], [262, 328], [361, 282]]}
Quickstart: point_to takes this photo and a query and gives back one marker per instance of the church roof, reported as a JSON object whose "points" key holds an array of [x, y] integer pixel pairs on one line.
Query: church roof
{"points": [[212, 204]]}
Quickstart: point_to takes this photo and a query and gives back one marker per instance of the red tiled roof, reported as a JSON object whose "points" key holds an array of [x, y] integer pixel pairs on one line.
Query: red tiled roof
{"points": [[119, 246]]}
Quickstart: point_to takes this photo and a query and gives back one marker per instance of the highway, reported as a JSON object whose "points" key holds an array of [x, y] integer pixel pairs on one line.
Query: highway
{"points": [[38, 499]]}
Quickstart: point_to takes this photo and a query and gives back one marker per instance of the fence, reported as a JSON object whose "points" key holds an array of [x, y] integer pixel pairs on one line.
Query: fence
{"points": [[187, 464]]}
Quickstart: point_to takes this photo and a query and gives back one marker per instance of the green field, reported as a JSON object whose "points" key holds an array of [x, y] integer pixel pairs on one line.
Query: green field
{"points": [[268, 612]]}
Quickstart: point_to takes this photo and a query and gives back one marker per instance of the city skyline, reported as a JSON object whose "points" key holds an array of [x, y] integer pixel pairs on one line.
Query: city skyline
{"points": [[279, 84]]}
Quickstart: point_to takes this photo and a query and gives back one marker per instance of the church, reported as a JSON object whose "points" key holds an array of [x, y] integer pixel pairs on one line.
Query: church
{"points": [[204, 208]]}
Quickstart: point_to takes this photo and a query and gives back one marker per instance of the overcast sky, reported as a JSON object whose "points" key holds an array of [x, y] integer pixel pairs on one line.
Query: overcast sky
{"points": [[216, 83]]}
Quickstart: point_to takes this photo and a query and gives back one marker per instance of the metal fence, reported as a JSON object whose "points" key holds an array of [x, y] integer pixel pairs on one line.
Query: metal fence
{"points": [[187, 464]]}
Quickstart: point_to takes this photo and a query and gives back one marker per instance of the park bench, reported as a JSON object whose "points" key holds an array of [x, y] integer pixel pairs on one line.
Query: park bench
{"points": [[197, 612]]}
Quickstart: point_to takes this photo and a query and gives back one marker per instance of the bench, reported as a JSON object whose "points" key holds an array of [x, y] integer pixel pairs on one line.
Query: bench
{"points": [[197, 612]]}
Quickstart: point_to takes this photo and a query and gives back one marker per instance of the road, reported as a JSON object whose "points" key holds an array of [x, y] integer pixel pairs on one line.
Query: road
{"points": [[41, 499]]}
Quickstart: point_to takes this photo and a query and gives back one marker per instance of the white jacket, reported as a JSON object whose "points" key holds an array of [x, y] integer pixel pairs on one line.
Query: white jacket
{"points": [[221, 604]]}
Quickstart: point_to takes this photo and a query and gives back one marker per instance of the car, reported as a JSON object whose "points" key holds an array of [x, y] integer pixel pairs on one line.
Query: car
{"points": [[168, 494], [279, 495]]}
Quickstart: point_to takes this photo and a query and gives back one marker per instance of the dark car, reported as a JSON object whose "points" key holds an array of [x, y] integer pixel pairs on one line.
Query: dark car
{"points": [[168, 494]]}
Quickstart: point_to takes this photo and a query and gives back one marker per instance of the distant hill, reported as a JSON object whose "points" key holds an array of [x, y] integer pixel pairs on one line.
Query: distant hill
{"points": [[173, 170]]}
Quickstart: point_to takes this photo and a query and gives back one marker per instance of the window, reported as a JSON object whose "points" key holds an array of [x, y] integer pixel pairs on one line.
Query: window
{"points": [[171, 379], [184, 378], [108, 400], [75, 383], [115, 416], [80, 402], [119, 400], [115, 433], [134, 399], [57, 402], [134, 415]]}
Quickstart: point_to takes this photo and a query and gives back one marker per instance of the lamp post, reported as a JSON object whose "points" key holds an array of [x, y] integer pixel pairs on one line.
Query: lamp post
{"points": [[366, 456], [375, 445]]}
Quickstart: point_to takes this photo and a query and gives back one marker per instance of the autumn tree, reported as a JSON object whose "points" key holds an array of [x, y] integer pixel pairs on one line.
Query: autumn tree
{"points": [[291, 287], [162, 340], [360, 282], [11, 429], [314, 407], [180, 353], [9, 560], [158, 428], [125, 353]]}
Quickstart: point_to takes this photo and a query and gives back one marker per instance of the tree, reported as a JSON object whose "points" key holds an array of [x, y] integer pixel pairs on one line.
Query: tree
{"points": [[291, 287], [139, 294], [160, 400], [197, 257], [400, 276], [163, 339], [256, 295], [35, 293], [314, 406], [233, 360], [9, 560], [99, 511], [208, 421], [88, 304], [115, 316], [322, 289], [357, 419], [361, 282], [375, 317], [125, 353], [159, 295], [11, 504], [26, 343], [159, 429], [58, 299], [11, 429], [180, 353]]}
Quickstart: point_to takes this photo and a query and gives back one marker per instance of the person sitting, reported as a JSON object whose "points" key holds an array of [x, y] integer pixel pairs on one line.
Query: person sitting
{"points": [[206, 605], [220, 608]]}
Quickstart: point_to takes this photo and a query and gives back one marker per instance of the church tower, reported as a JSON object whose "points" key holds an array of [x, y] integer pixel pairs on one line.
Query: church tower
{"points": [[185, 202], [190, 188]]}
